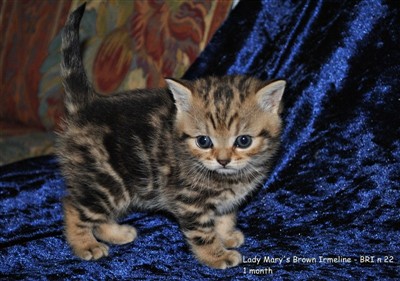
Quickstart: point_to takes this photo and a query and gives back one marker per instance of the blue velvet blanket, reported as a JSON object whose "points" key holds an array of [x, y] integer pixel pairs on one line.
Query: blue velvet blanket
{"points": [[330, 207]]}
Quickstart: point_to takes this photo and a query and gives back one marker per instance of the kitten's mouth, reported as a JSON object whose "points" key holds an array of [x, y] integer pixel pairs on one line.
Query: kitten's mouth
{"points": [[226, 171], [223, 170]]}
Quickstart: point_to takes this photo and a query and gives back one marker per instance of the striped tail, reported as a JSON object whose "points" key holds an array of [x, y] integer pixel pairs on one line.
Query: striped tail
{"points": [[78, 90]]}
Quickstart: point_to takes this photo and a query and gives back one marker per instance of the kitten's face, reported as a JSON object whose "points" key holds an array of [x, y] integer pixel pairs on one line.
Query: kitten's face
{"points": [[228, 123], [240, 143]]}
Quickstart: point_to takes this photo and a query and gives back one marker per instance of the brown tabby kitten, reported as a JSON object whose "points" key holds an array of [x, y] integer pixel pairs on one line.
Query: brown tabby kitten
{"points": [[195, 150]]}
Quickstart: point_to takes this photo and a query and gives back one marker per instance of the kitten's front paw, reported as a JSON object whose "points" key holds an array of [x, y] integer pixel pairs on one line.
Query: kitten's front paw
{"points": [[234, 240], [230, 258], [92, 251]]}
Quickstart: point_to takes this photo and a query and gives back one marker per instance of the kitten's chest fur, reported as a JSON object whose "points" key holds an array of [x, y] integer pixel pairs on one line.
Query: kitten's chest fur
{"points": [[176, 194]]}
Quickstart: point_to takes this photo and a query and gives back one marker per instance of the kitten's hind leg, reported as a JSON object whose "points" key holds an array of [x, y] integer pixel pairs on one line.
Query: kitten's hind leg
{"points": [[80, 235], [114, 233]]}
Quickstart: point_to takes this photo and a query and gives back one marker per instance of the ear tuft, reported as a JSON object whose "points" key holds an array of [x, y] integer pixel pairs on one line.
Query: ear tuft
{"points": [[269, 97], [181, 94]]}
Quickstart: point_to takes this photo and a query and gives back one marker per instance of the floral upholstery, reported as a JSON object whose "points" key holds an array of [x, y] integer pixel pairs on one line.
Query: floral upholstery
{"points": [[126, 45]]}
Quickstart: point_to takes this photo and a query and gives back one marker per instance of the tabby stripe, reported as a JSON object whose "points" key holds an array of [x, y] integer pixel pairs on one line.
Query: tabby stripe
{"points": [[94, 207], [206, 224], [209, 207], [82, 225], [231, 119], [94, 200], [112, 187], [190, 216], [93, 192], [202, 241], [188, 200], [231, 191], [207, 191], [149, 195], [115, 180], [195, 225], [231, 79], [204, 92], [209, 116], [184, 137], [85, 154], [264, 134], [241, 88], [112, 200], [223, 96], [82, 232], [84, 216], [198, 225]]}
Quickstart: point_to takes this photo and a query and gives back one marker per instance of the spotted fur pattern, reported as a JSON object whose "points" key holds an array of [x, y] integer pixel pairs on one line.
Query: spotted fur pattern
{"points": [[196, 149]]}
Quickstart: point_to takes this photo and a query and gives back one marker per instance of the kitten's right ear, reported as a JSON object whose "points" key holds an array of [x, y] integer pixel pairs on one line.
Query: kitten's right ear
{"points": [[181, 93], [269, 97]]}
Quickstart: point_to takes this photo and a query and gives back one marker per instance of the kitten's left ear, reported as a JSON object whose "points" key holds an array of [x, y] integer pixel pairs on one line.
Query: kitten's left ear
{"points": [[269, 97], [181, 93]]}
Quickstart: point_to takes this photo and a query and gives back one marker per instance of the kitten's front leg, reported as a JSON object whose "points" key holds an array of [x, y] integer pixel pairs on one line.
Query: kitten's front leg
{"points": [[225, 226], [207, 245]]}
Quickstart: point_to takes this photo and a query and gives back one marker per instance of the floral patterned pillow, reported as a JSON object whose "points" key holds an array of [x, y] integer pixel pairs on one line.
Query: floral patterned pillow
{"points": [[126, 44], [134, 44]]}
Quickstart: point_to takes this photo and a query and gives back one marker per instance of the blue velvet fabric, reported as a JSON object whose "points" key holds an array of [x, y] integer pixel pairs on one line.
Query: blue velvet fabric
{"points": [[333, 193]]}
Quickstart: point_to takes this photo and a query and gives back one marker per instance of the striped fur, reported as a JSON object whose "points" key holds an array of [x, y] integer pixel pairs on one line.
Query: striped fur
{"points": [[141, 150]]}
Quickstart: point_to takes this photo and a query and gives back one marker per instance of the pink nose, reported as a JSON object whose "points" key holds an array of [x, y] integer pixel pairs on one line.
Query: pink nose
{"points": [[223, 162]]}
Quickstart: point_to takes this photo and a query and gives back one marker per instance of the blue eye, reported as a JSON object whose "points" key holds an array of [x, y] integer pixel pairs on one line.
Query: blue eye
{"points": [[243, 141], [204, 142]]}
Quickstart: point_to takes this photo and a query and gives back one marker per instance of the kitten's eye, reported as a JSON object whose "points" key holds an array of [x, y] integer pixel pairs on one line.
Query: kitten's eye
{"points": [[243, 141], [204, 142]]}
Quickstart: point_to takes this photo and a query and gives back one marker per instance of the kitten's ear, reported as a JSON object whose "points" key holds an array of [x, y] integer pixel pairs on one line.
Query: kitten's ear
{"points": [[181, 93], [269, 97]]}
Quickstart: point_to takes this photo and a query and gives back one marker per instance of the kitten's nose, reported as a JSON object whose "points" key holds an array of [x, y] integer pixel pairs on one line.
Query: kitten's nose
{"points": [[223, 162]]}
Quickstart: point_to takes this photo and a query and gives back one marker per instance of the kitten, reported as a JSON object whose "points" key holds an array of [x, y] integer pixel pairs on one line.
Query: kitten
{"points": [[196, 150]]}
